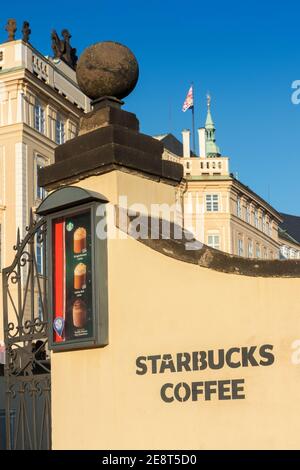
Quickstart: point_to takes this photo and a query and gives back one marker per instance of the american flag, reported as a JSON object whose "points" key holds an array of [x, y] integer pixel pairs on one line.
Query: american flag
{"points": [[189, 100]]}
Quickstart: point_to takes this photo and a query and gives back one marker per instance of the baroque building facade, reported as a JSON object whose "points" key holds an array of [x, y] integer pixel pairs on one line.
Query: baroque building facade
{"points": [[220, 210], [40, 108]]}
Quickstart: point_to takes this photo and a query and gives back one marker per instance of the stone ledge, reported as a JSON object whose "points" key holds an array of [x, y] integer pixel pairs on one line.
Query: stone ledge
{"points": [[104, 159]]}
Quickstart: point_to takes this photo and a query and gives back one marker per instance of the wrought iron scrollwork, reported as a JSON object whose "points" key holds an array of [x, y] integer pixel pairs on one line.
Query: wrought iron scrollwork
{"points": [[27, 368]]}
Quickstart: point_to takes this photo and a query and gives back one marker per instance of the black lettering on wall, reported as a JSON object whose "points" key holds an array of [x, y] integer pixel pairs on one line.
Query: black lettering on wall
{"points": [[265, 353], [197, 389], [141, 366], [163, 393], [229, 361], [199, 360], [167, 364], [248, 357], [223, 390], [210, 388], [219, 362], [154, 360], [183, 362], [237, 389], [182, 386]]}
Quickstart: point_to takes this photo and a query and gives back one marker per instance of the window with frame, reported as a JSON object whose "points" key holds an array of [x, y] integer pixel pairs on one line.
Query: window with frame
{"points": [[270, 228], [284, 252], [213, 241], [39, 257], [39, 117], [40, 308], [72, 130], [212, 202], [240, 247], [257, 251], [41, 193], [59, 130], [250, 249], [248, 214], [256, 218], [263, 221], [239, 207], [39, 253]]}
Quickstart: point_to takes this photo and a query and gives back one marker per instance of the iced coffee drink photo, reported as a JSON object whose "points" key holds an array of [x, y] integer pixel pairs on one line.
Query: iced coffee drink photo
{"points": [[80, 240], [79, 313], [80, 276]]}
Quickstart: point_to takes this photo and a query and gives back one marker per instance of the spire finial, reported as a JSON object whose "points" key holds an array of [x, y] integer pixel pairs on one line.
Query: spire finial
{"points": [[212, 150], [208, 99]]}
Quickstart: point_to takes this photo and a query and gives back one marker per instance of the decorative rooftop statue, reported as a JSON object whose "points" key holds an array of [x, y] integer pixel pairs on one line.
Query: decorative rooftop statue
{"points": [[62, 48], [26, 32], [11, 28]]}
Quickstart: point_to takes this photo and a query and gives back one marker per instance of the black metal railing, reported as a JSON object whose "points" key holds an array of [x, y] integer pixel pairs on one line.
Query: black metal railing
{"points": [[27, 367]]}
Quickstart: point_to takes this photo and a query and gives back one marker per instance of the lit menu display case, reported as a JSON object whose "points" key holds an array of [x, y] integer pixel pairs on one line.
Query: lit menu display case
{"points": [[77, 269]]}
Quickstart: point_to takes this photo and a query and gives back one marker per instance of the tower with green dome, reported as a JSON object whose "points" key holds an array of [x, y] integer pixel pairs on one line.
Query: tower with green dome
{"points": [[212, 150]]}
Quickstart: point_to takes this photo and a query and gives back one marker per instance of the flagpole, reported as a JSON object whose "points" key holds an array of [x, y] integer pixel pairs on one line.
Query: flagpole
{"points": [[188, 104], [193, 119]]}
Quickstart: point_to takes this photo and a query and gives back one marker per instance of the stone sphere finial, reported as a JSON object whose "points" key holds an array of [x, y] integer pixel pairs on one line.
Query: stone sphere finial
{"points": [[107, 69]]}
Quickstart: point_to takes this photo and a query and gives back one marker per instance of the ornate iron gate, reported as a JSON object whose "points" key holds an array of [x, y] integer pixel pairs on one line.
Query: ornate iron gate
{"points": [[27, 368]]}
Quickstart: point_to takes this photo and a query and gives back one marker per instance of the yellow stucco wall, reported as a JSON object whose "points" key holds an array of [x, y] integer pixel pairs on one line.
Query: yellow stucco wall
{"points": [[158, 305]]}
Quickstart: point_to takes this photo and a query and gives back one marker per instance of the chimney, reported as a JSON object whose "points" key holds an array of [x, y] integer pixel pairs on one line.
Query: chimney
{"points": [[186, 143], [202, 142]]}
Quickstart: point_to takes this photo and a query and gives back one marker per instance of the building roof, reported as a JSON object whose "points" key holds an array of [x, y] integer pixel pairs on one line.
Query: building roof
{"points": [[172, 144], [291, 225], [284, 235], [262, 200]]}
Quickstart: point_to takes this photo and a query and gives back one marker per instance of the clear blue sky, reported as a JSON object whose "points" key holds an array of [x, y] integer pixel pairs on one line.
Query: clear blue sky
{"points": [[246, 53]]}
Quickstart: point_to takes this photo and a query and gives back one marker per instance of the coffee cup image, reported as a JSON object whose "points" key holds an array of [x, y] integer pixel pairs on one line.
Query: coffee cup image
{"points": [[80, 276], [79, 314], [80, 240]]}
